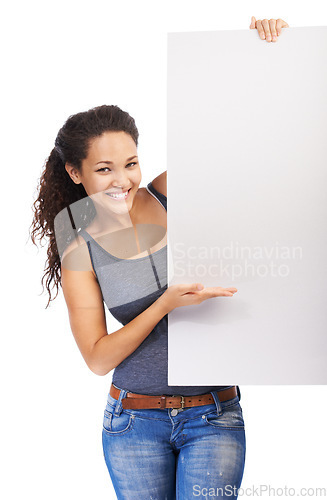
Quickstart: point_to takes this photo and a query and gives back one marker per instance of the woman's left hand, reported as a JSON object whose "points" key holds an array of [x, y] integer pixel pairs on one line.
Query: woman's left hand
{"points": [[268, 30]]}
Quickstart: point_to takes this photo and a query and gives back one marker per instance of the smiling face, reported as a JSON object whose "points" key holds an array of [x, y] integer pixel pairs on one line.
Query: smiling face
{"points": [[111, 173]]}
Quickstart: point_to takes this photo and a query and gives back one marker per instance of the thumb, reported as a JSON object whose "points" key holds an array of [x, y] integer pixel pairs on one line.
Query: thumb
{"points": [[253, 21]]}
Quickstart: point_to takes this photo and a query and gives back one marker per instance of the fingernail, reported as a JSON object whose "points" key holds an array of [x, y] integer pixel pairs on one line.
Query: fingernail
{"points": [[200, 287]]}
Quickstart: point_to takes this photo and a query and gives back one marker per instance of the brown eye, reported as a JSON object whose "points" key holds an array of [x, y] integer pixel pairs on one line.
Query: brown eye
{"points": [[103, 169]]}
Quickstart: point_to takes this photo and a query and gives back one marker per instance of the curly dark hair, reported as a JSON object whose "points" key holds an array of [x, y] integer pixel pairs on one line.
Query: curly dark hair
{"points": [[57, 191]]}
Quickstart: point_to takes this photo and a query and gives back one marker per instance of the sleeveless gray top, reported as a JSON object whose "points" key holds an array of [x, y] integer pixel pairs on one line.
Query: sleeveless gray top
{"points": [[129, 286]]}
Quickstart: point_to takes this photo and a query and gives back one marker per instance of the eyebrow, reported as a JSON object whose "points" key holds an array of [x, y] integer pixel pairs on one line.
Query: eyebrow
{"points": [[111, 162]]}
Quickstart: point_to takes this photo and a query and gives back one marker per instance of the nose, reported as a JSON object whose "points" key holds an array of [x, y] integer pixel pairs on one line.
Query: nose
{"points": [[120, 180]]}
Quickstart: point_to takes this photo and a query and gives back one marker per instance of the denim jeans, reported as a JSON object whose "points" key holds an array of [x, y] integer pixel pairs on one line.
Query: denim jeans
{"points": [[151, 454]]}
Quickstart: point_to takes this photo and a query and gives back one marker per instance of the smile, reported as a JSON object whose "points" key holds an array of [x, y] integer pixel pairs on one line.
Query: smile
{"points": [[119, 196]]}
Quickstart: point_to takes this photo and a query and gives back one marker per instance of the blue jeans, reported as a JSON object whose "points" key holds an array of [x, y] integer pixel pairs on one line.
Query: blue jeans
{"points": [[151, 454]]}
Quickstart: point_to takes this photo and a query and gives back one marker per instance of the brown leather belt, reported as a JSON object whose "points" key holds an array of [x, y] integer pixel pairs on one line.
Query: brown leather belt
{"points": [[137, 401]]}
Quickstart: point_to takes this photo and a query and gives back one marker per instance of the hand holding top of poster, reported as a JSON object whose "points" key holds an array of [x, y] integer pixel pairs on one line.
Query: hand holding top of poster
{"points": [[268, 29]]}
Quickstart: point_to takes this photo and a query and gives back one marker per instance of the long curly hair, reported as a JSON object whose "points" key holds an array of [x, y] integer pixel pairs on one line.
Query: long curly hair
{"points": [[57, 191]]}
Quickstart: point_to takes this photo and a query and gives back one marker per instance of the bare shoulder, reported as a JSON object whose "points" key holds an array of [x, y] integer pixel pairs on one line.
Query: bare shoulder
{"points": [[160, 183], [76, 256], [78, 280]]}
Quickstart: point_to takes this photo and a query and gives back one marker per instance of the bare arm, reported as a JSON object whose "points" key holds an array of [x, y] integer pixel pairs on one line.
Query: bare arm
{"points": [[102, 352]]}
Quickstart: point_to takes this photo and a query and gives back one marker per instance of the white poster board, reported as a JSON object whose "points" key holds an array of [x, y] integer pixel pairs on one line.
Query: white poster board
{"points": [[247, 205]]}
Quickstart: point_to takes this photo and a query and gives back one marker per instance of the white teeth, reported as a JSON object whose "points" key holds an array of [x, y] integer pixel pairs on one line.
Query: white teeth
{"points": [[120, 195]]}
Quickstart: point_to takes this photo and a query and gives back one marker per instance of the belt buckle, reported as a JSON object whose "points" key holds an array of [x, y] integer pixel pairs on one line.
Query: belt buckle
{"points": [[175, 411], [182, 404]]}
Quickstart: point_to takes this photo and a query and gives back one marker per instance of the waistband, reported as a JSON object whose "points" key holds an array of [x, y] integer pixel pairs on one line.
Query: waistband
{"points": [[133, 400]]}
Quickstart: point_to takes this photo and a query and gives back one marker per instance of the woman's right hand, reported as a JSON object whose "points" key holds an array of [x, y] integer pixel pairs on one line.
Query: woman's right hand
{"points": [[191, 294]]}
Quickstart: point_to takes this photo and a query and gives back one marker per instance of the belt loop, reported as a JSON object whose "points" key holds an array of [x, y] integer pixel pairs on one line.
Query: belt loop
{"points": [[217, 402], [119, 406], [238, 392]]}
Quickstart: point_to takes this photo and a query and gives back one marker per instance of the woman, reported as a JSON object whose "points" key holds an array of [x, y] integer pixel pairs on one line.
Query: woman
{"points": [[108, 245]]}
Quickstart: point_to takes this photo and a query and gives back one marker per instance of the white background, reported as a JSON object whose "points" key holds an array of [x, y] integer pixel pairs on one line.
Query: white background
{"points": [[57, 59]]}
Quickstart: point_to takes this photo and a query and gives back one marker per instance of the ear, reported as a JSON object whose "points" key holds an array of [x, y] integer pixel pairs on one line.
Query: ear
{"points": [[73, 173]]}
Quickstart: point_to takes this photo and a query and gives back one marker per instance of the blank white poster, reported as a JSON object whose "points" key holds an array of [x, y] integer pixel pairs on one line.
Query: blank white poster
{"points": [[247, 206]]}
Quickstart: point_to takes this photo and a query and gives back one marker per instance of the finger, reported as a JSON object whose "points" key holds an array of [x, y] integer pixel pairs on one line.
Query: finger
{"points": [[261, 30], [273, 31], [218, 291], [279, 25], [215, 295], [252, 25], [265, 24], [229, 291]]}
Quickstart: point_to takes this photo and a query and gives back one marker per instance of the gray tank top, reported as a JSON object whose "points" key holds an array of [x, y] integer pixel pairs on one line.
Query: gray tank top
{"points": [[129, 286]]}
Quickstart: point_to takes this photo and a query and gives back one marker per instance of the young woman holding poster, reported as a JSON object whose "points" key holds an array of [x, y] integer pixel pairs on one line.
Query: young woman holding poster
{"points": [[108, 245]]}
